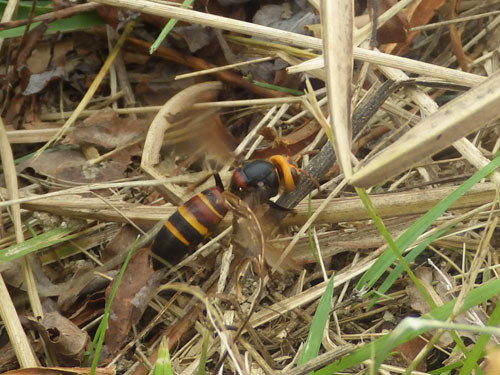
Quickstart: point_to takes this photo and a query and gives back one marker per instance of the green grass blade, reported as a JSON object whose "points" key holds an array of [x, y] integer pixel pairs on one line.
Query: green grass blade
{"points": [[98, 340], [24, 7], [478, 350], [273, 87], [474, 298], [395, 250], [320, 319], [163, 365], [79, 21], [204, 352], [421, 225], [398, 270], [42, 241], [445, 370], [409, 327], [168, 27]]}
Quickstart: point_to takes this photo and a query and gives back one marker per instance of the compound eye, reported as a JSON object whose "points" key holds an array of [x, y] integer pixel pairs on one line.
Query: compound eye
{"points": [[238, 183]]}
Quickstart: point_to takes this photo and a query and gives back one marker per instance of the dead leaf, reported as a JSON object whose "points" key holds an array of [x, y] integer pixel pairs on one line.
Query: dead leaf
{"points": [[115, 16], [195, 36], [409, 351], [71, 166], [92, 307], [417, 301], [291, 143], [131, 299], [106, 129], [37, 82], [120, 242], [394, 30], [65, 338], [418, 13], [283, 17], [71, 294], [31, 40], [14, 111]]}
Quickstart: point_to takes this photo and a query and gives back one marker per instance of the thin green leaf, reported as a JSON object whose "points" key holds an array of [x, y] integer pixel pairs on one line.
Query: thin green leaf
{"points": [[204, 351], [474, 298], [445, 370], [24, 7], [163, 365], [168, 27], [398, 270], [393, 247], [273, 87], [96, 345], [421, 225], [320, 319], [42, 241], [408, 327], [478, 350], [79, 21]]}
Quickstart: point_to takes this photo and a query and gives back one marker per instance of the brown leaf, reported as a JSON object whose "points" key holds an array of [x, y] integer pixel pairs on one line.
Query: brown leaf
{"points": [[65, 338], [31, 40], [91, 308], [119, 243], [115, 16], [106, 129], [419, 13], [131, 299], [394, 30], [409, 351], [195, 36], [291, 143], [83, 287], [14, 111], [69, 165]]}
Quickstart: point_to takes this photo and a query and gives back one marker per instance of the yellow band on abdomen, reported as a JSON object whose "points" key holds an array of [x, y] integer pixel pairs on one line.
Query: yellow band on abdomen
{"points": [[176, 233], [193, 221]]}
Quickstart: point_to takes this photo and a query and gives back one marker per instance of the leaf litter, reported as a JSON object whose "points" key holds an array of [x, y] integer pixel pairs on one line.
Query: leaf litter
{"points": [[48, 74]]}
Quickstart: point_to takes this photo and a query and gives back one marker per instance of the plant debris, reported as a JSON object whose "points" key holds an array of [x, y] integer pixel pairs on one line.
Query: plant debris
{"points": [[102, 141]]}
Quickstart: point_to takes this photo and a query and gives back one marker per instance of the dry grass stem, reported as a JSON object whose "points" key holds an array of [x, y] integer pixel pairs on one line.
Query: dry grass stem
{"points": [[337, 46], [10, 319], [458, 118], [340, 210], [221, 68], [429, 106], [454, 21], [7, 15], [413, 66], [244, 295], [223, 23]]}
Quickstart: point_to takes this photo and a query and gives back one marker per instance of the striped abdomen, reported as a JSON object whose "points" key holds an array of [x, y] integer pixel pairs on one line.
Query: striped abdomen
{"points": [[189, 225]]}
